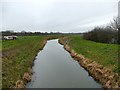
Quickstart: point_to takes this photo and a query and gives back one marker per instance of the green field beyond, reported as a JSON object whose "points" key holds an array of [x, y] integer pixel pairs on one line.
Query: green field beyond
{"points": [[18, 55], [104, 54]]}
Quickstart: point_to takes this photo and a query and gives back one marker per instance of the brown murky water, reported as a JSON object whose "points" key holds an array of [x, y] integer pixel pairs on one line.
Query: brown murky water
{"points": [[55, 68]]}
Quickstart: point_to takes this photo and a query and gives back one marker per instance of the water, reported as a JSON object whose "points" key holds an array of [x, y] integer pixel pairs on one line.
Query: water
{"points": [[55, 68]]}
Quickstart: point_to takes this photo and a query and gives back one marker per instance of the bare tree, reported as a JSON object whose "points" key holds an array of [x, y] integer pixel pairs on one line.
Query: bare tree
{"points": [[119, 15], [114, 25]]}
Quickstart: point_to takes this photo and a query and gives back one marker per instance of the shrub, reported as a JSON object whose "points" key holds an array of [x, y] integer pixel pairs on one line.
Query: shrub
{"points": [[104, 35]]}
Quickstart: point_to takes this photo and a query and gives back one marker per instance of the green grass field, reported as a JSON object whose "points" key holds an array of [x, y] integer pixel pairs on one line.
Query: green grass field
{"points": [[104, 54], [18, 55]]}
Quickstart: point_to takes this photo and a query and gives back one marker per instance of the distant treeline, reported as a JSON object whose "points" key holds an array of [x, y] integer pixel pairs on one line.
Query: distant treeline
{"points": [[25, 33], [104, 35], [108, 34]]}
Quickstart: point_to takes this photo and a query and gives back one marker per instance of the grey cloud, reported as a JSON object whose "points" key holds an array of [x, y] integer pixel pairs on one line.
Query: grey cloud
{"points": [[56, 16]]}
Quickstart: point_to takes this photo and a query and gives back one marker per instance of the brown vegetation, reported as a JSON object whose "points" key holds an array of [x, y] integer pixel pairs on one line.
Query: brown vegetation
{"points": [[27, 75], [105, 76]]}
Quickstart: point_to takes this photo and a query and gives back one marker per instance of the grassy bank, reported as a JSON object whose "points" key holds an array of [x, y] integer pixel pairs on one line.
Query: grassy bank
{"points": [[18, 55], [104, 54]]}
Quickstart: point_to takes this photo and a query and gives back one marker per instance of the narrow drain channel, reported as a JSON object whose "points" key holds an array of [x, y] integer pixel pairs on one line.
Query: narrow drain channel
{"points": [[55, 68]]}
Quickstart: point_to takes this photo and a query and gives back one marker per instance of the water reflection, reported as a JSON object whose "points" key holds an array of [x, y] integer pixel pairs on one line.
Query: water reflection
{"points": [[54, 68]]}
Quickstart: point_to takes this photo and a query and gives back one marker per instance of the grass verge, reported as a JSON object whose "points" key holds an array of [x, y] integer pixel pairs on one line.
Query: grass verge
{"points": [[17, 56], [104, 54]]}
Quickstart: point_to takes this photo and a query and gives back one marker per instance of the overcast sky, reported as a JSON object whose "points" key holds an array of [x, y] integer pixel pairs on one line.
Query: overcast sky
{"points": [[56, 15]]}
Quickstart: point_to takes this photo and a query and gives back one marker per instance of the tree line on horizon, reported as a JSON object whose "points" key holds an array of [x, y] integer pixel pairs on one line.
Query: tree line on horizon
{"points": [[25, 33], [107, 34]]}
